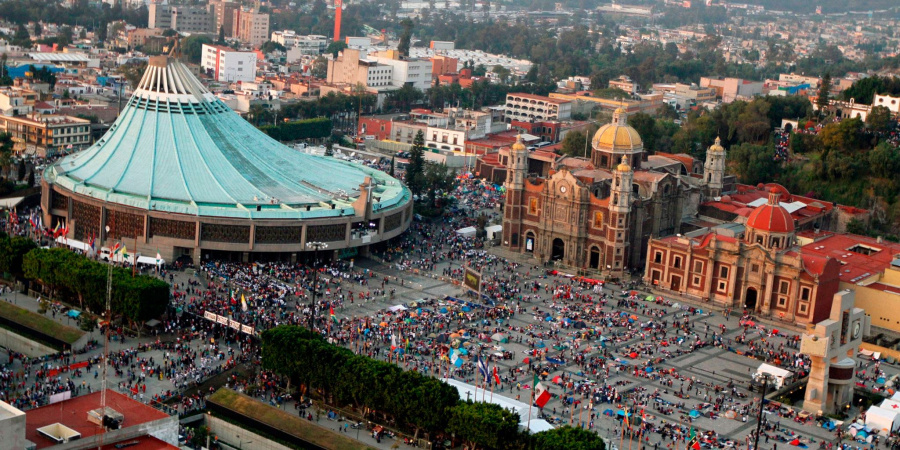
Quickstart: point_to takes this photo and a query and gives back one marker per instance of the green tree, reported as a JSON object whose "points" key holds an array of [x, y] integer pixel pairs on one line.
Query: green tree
{"points": [[221, 40], [20, 173], [335, 47], [569, 438], [575, 144], [824, 92], [415, 170], [6, 148], [12, 252], [405, 36], [271, 46], [843, 136], [31, 179], [879, 119], [320, 67], [485, 425], [192, 47], [753, 164], [133, 72], [439, 179]]}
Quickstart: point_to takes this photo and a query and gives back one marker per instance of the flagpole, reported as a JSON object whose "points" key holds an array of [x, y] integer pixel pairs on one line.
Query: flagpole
{"points": [[530, 404], [624, 421], [492, 388]]}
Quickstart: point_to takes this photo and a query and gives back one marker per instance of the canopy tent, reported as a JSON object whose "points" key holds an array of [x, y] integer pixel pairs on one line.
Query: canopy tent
{"points": [[882, 420], [778, 375], [890, 405], [467, 232], [494, 231]]}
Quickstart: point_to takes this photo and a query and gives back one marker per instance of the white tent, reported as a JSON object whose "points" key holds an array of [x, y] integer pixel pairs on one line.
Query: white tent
{"points": [[882, 420], [779, 375], [468, 391], [896, 396], [466, 232], [891, 405], [74, 244], [493, 231], [150, 260]]}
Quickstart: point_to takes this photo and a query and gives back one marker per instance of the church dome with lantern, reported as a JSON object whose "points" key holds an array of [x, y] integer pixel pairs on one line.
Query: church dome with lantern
{"points": [[615, 140]]}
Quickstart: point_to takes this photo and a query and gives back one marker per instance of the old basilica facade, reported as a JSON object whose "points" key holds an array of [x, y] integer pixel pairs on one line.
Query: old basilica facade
{"points": [[602, 215]]}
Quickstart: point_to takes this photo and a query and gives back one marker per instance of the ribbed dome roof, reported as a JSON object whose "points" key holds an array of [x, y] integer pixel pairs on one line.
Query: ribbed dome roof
{"points": [[519, 145], [176, 147], [717, 146], [771, 217], [617, 135]]}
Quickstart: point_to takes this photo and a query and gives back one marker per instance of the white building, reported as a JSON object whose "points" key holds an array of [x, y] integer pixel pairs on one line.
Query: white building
{"points": [[536, 108], [228, 65], [286, 38], [891, 103], [414, 71]]}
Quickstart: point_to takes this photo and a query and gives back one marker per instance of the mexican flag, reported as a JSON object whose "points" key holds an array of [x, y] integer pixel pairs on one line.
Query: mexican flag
{"points": [[541, 394], [331, 312]]}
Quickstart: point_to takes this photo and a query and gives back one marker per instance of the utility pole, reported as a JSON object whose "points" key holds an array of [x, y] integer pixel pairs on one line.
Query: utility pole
{"points": [[762, 401], [312, 306]]}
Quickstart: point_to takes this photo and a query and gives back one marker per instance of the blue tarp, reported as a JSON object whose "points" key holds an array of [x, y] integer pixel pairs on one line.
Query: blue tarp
{"points": [[74, 313]]}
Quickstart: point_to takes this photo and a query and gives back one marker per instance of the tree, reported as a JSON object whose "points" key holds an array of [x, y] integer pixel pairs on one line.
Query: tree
{"points": [[6, 148], [12, 251], [485, 425], [87, 323], [568, 437], [392, 165], [439, 179], [192, 47], [221, 40], [753, 164], [336, 47], [38, 31], [20, 175], [271, 46], [5, 79], [405, 37], [824, 90], [574, 144], [133, 72], [320, 67], [415, 170], [31, 179], [879, 119]]}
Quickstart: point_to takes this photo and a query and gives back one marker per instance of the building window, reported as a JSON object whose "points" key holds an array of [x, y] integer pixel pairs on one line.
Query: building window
{"points": [[698, 266], [722, 286], [723, 272], [533, 206], [802, 308], [696, 281], [677, 263], [783, 287], [754, 268], [657, 257], [805, 293], [782, 302]]}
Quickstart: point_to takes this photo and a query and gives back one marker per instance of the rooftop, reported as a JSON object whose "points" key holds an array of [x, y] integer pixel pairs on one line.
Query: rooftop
{"points": [[73, 413], [860, 256]]}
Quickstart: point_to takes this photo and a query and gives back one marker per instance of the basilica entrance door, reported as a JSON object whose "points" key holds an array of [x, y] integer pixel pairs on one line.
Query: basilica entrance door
{"points": [[594, 262], [750, 299], [559, 250]]}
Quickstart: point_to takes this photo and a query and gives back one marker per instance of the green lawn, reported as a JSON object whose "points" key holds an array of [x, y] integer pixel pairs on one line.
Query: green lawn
{"points": [[283, 421], [40, 323]]}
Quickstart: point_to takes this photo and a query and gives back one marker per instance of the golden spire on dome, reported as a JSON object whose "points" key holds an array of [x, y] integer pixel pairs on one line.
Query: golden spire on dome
{"points": [[717, 146], [624, 166]]}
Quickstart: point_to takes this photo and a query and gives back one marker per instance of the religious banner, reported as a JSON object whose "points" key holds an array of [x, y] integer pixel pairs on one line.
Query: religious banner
{"points": [[247, 329], [222, 320], [472, 279], [209, 316], [234, 324]]}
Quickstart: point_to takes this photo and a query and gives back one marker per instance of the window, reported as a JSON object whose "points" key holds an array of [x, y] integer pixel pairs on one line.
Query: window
{"points": [[722, 287], [533, 206], [677, 263], [754, 268], [723, 272], [782, 301], [698, 266], [805, 293], [696, 281], [657, 258], [783, 287]]}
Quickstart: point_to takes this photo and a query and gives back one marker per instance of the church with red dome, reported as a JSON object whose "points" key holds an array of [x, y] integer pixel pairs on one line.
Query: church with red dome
{"points": [[757, 266]]}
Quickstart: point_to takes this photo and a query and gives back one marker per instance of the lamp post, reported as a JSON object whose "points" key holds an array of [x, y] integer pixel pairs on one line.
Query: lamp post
{"points": [[762, 402], [315, 245]]}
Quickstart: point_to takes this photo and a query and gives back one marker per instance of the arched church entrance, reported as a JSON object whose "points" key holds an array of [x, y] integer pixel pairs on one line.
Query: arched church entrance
{"points": [[559, 250], [750, 298], [594, 260]]}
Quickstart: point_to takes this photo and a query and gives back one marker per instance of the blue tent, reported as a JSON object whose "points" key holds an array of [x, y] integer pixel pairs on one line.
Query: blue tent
{"points": [[554, 361], [73, 313], [466, 308], [443, 310], [694, 413], [540, 344]]}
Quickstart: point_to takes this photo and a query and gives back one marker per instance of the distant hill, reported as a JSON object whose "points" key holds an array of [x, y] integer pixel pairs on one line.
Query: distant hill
{"points": [[828, 6]]}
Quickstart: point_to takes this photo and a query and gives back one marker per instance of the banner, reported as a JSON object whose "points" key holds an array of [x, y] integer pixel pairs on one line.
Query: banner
{"points": [[247, 329], [56, 398], [472, 280], [222, 320], [234, 324], [209, 316]]}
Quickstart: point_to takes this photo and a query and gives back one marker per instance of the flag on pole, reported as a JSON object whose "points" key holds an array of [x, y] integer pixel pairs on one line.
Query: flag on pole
{"points": [[693, 442], [158, 257], [334, 317], [117, 248], [496, 376], [124, 252], [541, 394], [243, 302], [483, 369], [455, 359]]}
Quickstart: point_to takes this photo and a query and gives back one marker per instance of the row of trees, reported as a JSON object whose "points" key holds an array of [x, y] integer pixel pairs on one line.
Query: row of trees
{"points": [[414, 401], [81, 281], [301, 129]]}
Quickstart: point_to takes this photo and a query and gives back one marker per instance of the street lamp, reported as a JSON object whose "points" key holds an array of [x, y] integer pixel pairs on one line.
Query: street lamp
{"points": [[762, 402], [315, 245]]}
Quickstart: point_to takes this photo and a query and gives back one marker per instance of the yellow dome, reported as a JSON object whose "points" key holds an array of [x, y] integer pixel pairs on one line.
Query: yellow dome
{"points": [[618, 137], [519, 145], [717, 147], [624, 166]]}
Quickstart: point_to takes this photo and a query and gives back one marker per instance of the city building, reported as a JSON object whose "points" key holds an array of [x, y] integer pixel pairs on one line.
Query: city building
{"points": [[250, 26], [415, 72], [208, 184], [223, 11], [15, 101], [585, 103], [891, 103], [625, 83], [593, 215], [227, 64], [443, 65], [45, 135], [160, 16], [192, 19], [528, 108], [383, 71], [731, 89]]}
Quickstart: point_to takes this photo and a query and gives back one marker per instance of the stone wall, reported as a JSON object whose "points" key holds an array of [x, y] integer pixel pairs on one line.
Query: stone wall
{"points": [[24, 345], [237, 437]]}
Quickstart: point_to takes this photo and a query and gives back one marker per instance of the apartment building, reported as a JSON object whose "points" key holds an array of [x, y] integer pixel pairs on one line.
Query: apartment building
{"points": [[228, 65], [250, 27], [160, 16], [731, 89], [536, 108], [17, 101], [46, 135], [223, 11], [192, 19]]}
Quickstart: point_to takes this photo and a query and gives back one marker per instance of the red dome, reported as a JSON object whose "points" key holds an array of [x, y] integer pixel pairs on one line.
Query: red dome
{"points": [[771, 218]]}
